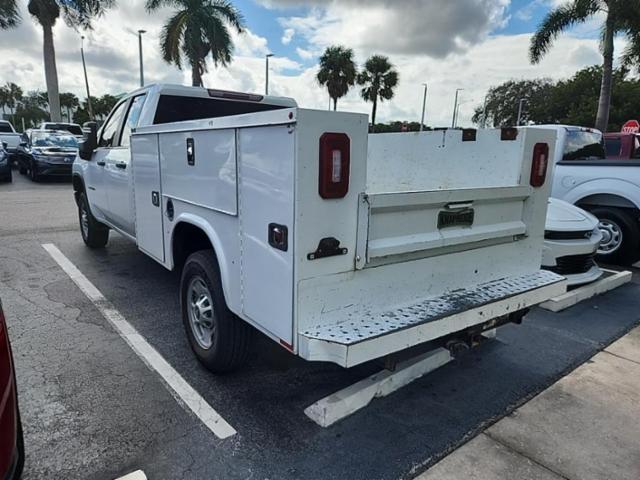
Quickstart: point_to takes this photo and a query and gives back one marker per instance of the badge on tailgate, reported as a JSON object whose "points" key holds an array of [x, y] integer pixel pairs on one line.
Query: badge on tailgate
{"points": [[456, 215]]}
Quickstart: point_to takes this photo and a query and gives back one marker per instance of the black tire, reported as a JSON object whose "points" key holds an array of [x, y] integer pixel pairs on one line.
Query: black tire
{"points": [[94, 233], [21, 170], [8, 178], [33, 173], [626, 250], [230, 342]]}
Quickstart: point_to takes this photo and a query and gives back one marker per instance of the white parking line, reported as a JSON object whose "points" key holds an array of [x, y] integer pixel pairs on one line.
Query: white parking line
{"points": [[180, 389], [137, 475]]}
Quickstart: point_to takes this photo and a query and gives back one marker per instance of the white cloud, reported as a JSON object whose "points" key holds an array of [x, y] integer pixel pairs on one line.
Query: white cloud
{"points": [[287, 36], [304, 54]]}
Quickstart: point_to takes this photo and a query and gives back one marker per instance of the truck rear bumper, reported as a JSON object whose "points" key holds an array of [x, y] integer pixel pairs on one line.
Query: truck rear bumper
{"points": [[367, 336]]}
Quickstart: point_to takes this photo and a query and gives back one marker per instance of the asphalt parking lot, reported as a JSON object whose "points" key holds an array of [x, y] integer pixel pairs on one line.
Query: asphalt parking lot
{"points": [[92, 409]]}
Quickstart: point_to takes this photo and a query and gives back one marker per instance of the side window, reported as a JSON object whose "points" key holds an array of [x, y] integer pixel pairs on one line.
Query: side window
{"points": [[109, 135], [132, 119], [636, 148]]}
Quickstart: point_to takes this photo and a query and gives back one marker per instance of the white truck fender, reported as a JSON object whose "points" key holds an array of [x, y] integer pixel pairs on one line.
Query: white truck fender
{"points": [[605, 187], [205, 226]]}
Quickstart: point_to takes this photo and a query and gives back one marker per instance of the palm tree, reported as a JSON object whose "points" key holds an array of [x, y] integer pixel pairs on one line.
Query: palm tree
{"points": [[621, 17], [76, 14], [198, 28], [12, 97], [378, 80], [69, 101], [337, 72], [9, 14]]}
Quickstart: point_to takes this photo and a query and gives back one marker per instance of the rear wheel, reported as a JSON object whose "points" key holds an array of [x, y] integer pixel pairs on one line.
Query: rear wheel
{"points": [[94, 233], [22, 170], [220, 340], [620, 236]]}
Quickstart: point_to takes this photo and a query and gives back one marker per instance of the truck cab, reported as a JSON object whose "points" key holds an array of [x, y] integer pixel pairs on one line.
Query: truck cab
{"points": [[622, 146]]}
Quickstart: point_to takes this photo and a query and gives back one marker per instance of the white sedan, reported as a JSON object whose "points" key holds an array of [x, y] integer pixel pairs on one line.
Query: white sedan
{"points": [[571, 240]]}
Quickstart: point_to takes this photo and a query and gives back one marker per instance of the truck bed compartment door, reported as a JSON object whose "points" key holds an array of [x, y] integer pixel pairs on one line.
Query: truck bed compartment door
{"points": [[401, 226], [145, 162]]}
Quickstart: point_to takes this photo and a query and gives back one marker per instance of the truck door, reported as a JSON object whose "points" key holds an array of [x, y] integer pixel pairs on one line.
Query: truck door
{"points": [[96, 175], [118, 171]]}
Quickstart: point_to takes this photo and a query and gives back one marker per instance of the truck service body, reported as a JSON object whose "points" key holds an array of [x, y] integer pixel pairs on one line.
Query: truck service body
{"points": [[339, 245]]}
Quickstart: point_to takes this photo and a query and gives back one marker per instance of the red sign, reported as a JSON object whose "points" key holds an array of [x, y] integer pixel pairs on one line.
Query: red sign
{"points": [[632, 126]]}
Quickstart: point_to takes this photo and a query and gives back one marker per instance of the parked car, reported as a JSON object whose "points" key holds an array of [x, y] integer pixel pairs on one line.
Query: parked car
{"points": [[622, 146], [571, 240], [607, 188], [9, 136], [11, 440], [338, 245], [5, 164], [47, 153], [73, 128]]}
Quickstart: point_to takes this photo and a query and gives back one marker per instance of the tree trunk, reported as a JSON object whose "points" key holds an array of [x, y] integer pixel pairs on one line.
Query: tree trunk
{"points": [[196, 78], [604, 103], [51, 74], [373, 113], [335, 104]]}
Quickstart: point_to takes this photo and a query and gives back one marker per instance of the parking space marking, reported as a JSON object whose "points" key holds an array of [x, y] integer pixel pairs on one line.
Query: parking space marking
{"points": [[178, 386]]}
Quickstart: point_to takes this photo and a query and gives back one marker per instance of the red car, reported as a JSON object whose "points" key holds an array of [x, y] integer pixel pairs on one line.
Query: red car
{"points": [[11, 444], [622, 146]]}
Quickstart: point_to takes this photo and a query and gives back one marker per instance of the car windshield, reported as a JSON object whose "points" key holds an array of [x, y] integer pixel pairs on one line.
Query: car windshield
{"points": [[45, 139], [583, 145]]}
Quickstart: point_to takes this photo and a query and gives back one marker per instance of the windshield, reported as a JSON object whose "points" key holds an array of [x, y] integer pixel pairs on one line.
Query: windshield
{"points": [[53, 140], [582, 145]]}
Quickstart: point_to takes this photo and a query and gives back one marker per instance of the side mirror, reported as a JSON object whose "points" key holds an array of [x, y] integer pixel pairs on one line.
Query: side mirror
{"points": [[5, 145], [90, 142], [23, 144]]}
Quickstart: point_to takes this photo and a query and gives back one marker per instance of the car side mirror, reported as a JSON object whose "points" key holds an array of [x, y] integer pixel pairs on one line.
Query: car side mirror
{"points": [[90, 143], [23, 144], [5, 145]]}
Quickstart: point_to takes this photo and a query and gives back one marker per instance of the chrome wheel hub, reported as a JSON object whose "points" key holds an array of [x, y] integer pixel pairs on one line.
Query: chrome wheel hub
{"points": [[611, 237], [200, 311]]}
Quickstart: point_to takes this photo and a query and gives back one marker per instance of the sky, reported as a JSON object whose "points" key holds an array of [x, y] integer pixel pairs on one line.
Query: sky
{"points": [[447, 44]]}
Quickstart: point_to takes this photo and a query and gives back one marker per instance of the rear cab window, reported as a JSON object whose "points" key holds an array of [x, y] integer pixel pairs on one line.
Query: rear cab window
{"points": [[613, 146], [176, 108], [583, 145]]}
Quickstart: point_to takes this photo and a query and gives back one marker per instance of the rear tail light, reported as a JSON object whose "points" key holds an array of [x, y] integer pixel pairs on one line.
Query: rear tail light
{"points": [[539, 164], [335, 151]]}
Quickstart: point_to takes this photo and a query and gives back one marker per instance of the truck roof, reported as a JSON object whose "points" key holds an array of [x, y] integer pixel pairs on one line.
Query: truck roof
{"points": [[186, 91], [570, 128]]}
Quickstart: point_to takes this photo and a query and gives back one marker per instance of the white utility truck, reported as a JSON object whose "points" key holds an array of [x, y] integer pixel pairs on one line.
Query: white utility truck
{"points": [[339, 245]]}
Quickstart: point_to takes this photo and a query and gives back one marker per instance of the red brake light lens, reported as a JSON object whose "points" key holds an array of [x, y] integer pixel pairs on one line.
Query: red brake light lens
{"points": [[335, 149], [539, 164]]}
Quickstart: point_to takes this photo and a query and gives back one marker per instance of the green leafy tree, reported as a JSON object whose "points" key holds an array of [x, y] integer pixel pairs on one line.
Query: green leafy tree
{"points": [[572, 101], [10, 96], [9, 14], [198, 28], [76, 14], [502, 103], [69, 102], [337, 72], [32, 109], [621, 17], [378, 80]]}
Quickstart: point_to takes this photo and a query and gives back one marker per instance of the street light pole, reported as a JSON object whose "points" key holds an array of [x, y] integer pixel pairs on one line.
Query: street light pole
{"points": [[522, 100], [266, 82], [424, 106], [455, 108], [86, 78], [140, 32]]}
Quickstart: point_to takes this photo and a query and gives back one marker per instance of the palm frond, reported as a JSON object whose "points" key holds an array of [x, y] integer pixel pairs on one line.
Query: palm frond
{"points": [[557, 21], [9, 14], [171, 38], [226, 10]]}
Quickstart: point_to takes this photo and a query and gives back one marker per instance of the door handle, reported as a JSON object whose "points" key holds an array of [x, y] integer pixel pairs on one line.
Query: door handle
{"points": [[121, 165], [102, 164]]}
